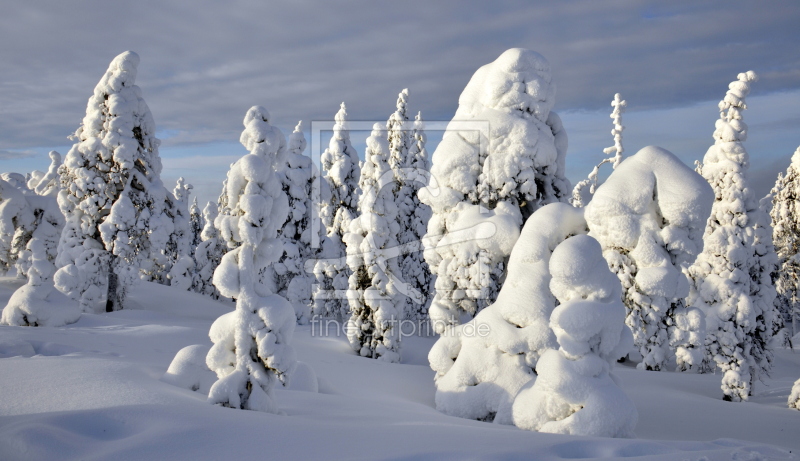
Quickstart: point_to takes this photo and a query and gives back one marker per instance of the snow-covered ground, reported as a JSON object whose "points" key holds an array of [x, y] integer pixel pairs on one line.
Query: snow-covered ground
{"points": [[92, 390]]}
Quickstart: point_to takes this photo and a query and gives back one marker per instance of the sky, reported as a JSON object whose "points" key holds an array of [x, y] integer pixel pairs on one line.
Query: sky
{"points": [[204, 63]]}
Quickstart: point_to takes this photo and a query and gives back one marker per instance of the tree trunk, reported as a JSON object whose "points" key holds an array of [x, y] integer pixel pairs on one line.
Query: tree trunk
{"points": [[112, 303]]}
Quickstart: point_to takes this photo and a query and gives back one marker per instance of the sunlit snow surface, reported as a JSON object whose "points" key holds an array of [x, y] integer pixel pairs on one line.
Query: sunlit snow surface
{"points": [[92, 390]]}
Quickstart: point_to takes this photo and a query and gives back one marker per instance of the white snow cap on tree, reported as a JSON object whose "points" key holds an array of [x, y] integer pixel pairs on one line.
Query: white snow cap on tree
{"points": [[481, 365], [372, 249], [649, 217], [731, 277], [574, 392], [785, 215], [264, 322], [342, 172], [38, 303], [110, 190], [506, 173]]}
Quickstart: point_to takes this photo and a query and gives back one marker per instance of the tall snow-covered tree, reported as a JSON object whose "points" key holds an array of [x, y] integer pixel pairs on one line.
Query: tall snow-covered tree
{"points": [[785, 215], [179, 265], [649, 217], [372, 248], [507, 163], [297, 178], [110, 191], [341, 166], [256, 207], [208, 254], [580, 194], [731, 277], [409, 162]]}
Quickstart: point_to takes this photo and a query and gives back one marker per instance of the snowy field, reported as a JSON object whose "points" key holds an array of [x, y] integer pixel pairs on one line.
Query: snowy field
{"points": [[92, 390]]}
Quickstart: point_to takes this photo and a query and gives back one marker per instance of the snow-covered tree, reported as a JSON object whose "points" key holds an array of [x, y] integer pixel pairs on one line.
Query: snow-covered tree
{"points": [[17, 223], [208, 254], [178, 264], [482, 364], [581, 195], [731, 277], [785, 215], [794, 396], [409, 162], [574, 392], [297, 177], [649, 217], [197, 223], [110, 191], [38, 303], [373, 328], [502, 157], [341, 166], [264, 322]]}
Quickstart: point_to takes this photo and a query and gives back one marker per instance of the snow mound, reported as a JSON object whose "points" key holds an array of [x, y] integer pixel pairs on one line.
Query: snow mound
{"points": [[189, 370], [574, 392]]}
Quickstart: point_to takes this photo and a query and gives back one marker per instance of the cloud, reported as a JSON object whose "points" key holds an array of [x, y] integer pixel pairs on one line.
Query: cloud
{"points": [[14, 155]]}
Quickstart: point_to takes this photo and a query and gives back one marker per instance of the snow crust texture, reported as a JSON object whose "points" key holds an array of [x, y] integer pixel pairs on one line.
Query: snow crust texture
{"points": [[501, 158]]}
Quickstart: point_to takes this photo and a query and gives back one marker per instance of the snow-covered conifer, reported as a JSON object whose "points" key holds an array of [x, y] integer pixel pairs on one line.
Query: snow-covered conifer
{"points": [[110, 189], [482, 364], [574, 392], [341, 166], [785, 215], [376, 309], [208, 254], [297, 177], [581, 195], [38, 303], [263, 322], [505, 173], [731, 277], [17, 222], [196, 224], [649, 217], [409, 162]]}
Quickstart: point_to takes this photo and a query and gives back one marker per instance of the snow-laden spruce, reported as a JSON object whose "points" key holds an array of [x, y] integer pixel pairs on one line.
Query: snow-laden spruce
{"points": [[409, 162], [649, 217], [731, 277], [482, 364], [178, 268], [574, 392], [373, 328], [263, 322], [197, 223], [111, 193], [208, 254], [341, 173], [580, 194], [29, 211], [785, 215], [38, 303], [501, 158], [297, 177]]}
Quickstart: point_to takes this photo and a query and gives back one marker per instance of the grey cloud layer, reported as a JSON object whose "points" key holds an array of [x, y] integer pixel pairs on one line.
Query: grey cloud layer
{"points": [[204, 62]]}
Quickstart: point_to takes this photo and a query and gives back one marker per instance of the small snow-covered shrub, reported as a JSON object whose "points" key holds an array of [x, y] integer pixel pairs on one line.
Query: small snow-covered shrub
{"points": [[649, 217], [482, 364], [794, 396], [263, 322], [574, 392], [510, 171], [373, 328], [189, 370], [38, 303]]}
